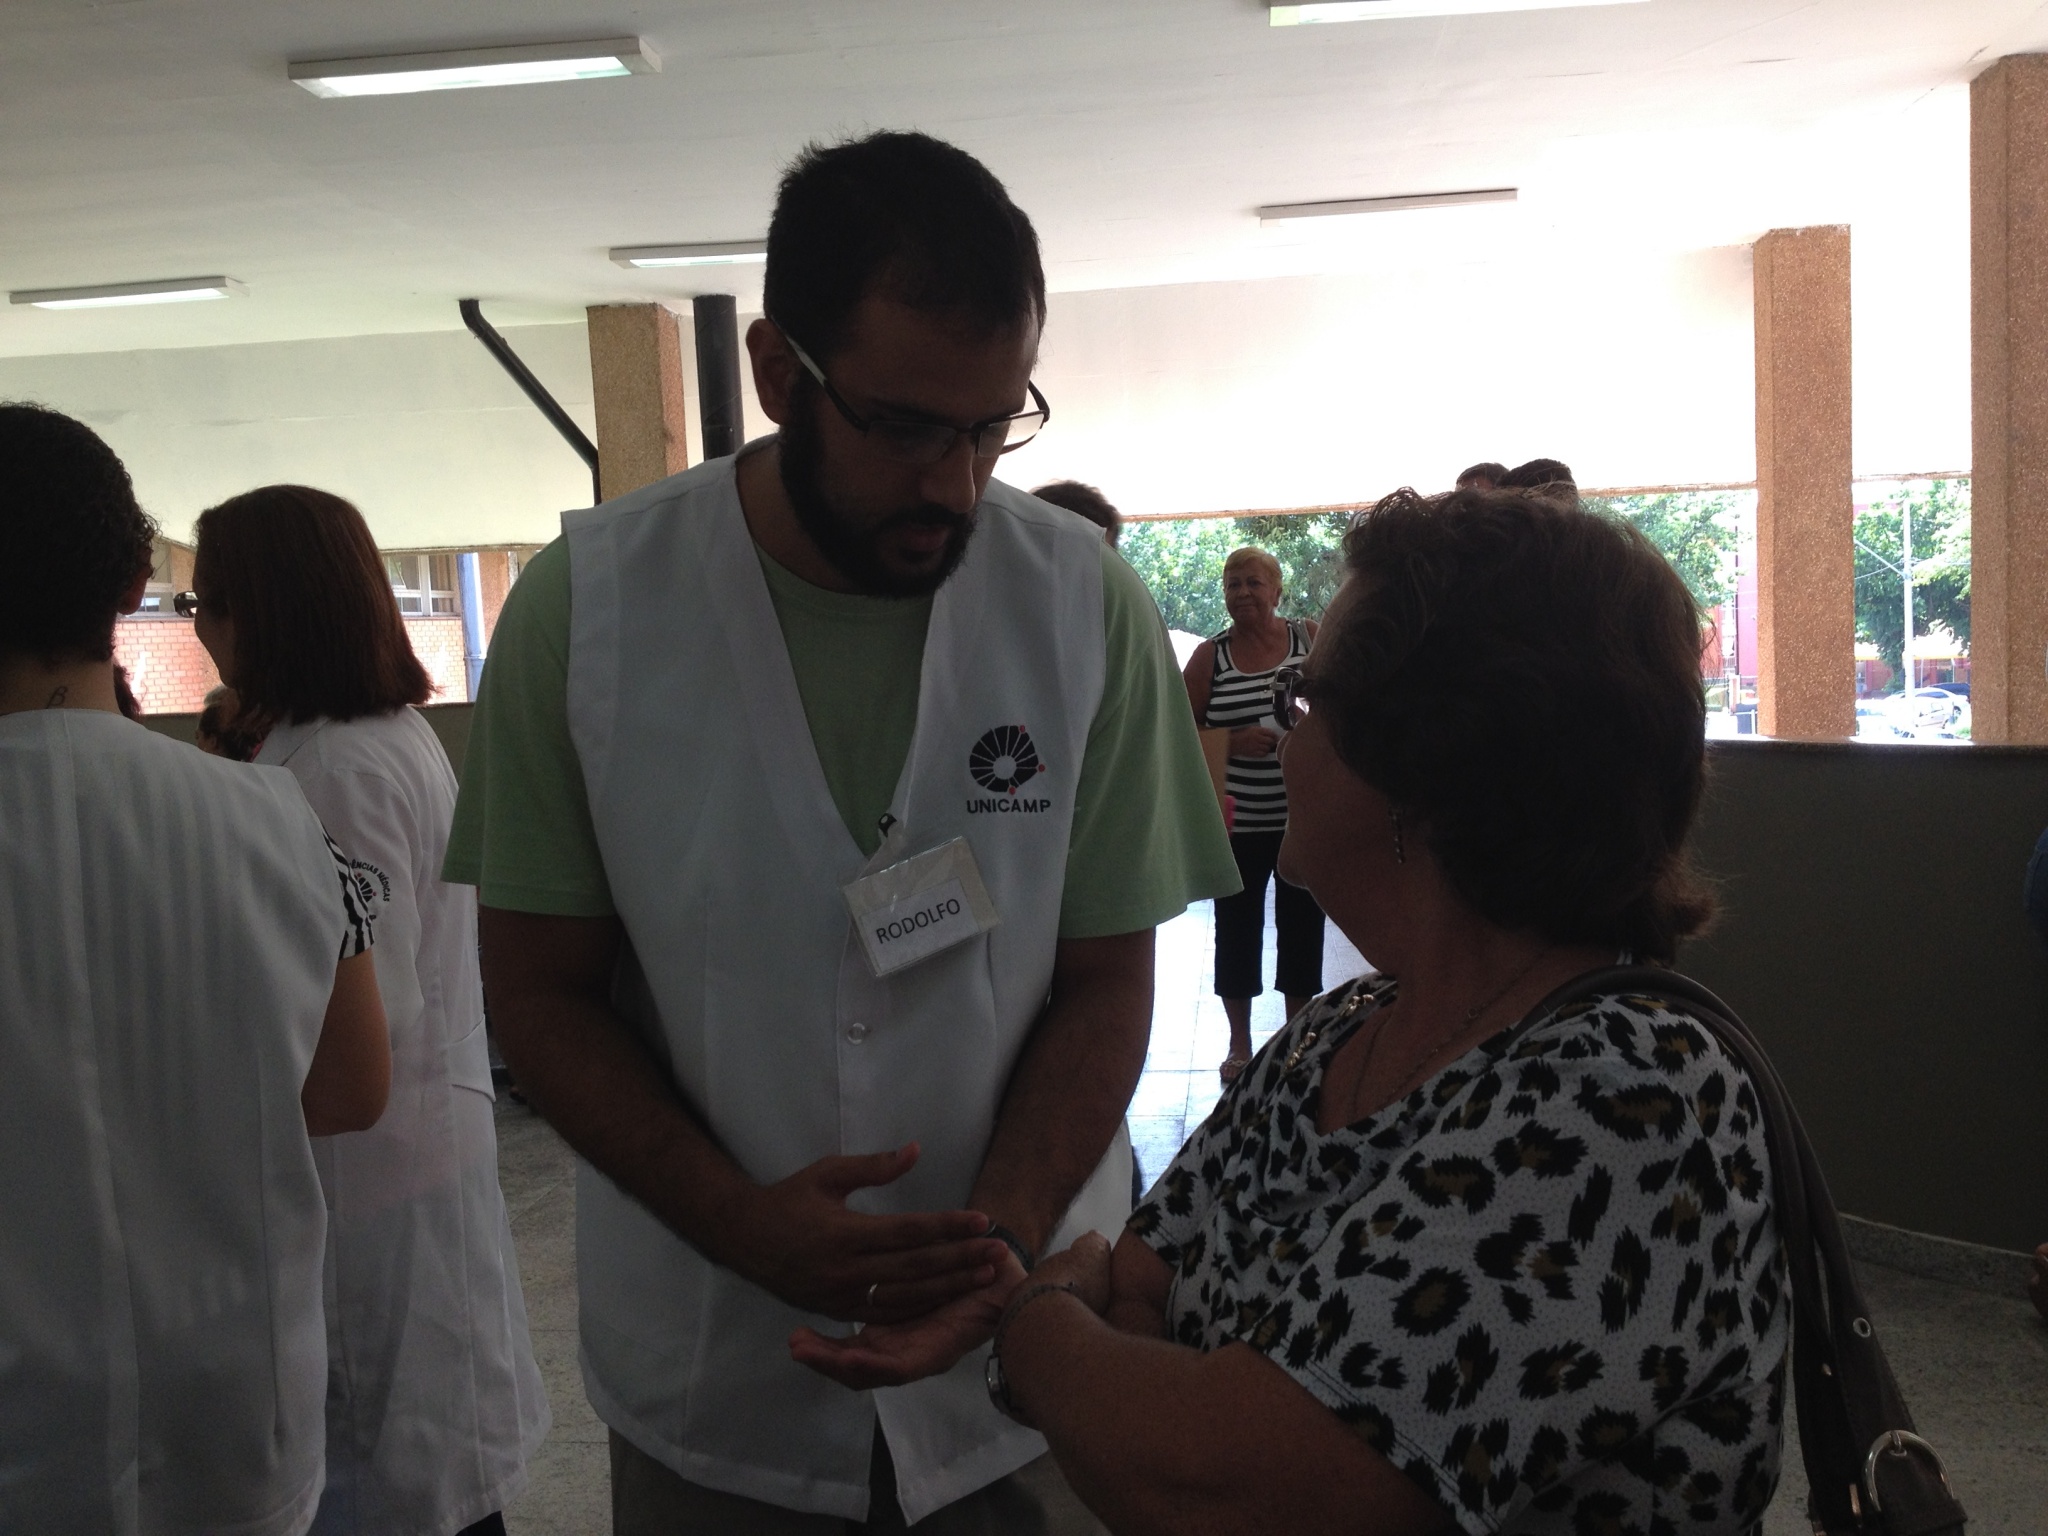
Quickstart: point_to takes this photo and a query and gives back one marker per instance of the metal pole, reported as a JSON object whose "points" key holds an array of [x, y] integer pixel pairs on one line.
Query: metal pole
{"points": [[718, 372], [1906, 581], [537, 392], [472, 618]]}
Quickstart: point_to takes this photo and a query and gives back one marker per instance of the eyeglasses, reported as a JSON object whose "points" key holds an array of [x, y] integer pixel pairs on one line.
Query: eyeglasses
{"points": [[926, 442], [1286, 696], [185, 604]]}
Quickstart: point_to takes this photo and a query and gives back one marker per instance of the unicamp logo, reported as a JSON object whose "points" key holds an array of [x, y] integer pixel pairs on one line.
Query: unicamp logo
{"points": [[1004, 760]]}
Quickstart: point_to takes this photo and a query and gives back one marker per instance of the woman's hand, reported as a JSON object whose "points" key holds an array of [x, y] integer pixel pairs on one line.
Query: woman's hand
{"points": [[1253, 741], [1084, 1266]]}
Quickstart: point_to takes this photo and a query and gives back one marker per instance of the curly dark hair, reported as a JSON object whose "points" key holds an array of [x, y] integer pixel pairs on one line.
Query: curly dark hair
{"points": [[76, 540], [1522, 677], [317, 629]]}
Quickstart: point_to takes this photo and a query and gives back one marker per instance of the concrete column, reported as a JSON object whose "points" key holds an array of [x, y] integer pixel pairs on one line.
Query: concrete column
{"points": [[636, 375], [2009, 385], [1806, 614]]}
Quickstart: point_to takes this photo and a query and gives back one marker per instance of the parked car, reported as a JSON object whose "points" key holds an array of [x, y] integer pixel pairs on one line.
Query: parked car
{"points": [[1874, 723], [1928, 711]]}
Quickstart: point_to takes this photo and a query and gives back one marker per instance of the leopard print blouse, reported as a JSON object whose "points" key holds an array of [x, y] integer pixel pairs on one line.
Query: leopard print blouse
{"points": [[1547, 1285]]}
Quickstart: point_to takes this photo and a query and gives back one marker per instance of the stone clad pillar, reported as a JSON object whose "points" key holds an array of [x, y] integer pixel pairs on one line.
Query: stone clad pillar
{"points": [[1806, 611], [2009, 388], [636, 375]]}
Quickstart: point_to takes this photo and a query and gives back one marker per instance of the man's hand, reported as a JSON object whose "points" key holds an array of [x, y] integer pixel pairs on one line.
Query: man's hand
{"points": [[893, 1354], [1253, 741], [798, 1240]]}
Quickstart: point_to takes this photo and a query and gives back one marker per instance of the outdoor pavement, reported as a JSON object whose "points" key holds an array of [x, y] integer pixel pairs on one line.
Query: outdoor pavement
{"points": [[1973, 1365]]}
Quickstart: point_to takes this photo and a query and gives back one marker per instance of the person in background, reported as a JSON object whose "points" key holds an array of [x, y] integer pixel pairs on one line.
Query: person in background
{"points": [[1536, 474], [1448, 1258], [434, 1403], [219, 729], [1087, 501], [124, 696], [188, 993], [1482, 477], [1230, 684]]}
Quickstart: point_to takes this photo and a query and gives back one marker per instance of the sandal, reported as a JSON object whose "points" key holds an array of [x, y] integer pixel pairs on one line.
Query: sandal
{"points": [[1233, 1068]]}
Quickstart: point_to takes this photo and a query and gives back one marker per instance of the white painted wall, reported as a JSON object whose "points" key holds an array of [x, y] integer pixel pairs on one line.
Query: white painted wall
{"points": [[424, 432]]}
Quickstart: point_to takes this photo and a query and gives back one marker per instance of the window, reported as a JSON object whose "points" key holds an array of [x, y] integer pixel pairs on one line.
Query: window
{"points": [[163, 579], [404, 573], [424, 585], [442, 584]]}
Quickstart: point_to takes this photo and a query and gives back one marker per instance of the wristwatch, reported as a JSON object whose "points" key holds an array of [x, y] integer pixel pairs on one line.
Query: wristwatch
{"points": [[999, 1392], [998, 1383]]}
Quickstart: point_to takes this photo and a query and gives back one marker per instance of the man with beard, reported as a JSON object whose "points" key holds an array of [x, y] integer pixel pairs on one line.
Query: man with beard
{"points": [[823, 801]]}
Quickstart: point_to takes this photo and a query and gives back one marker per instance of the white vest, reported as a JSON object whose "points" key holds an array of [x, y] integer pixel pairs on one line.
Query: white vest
{"points": [[434, 1402], [726, 857], [169, 925]]}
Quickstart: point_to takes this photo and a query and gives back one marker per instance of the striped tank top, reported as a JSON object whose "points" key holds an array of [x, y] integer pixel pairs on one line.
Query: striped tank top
{"points": [[1239, 699]]}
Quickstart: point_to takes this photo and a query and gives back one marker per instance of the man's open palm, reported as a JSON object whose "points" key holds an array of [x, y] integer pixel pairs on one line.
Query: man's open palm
{"points": [[892, 1354]]}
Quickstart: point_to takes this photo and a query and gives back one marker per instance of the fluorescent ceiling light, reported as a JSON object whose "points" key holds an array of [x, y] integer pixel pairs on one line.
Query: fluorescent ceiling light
{"points": [[1390, 10], [1280, 213], [176, 290], [468, 68], [716, 254]]}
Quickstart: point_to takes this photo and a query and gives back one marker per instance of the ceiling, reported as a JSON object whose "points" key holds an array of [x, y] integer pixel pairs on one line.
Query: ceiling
{"points": [[160, 138]]}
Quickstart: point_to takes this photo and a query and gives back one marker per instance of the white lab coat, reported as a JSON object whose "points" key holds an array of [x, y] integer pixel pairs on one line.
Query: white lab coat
{"points": [[169, 926], [434, 1403], [726, 855]]}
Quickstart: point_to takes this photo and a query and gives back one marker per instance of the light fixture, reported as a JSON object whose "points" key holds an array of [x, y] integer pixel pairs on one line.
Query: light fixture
{"points": [[176, 290], [713, 254], [468, 68], [1281, 213], [1317, 11]]}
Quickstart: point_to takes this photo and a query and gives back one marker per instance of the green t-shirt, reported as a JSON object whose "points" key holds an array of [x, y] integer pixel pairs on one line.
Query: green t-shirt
{"points": [[1147, 838]]}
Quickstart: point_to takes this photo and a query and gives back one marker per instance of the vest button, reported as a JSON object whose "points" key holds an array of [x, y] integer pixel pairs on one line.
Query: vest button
{"points": [[857, 1033]]}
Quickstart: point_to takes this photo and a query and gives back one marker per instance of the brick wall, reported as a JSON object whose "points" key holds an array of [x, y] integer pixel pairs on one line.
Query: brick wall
{"points": [[170, 671], [167, 666], [438, 644]]}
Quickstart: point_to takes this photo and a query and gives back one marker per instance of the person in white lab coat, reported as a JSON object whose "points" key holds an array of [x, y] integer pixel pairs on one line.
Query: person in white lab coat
{"points": [[173, 1023], [434, 1403]]}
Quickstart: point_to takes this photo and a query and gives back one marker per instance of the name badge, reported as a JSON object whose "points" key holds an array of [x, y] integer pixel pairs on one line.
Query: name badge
{"points": [[909, 911]]}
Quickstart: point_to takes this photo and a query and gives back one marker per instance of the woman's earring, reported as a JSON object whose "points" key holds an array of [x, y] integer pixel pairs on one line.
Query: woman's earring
{"points": [[1400, 857]]}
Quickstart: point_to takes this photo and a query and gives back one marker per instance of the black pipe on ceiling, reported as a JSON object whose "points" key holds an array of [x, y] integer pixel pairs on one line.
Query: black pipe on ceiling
{"points": [[716, 322], [537, 392]]}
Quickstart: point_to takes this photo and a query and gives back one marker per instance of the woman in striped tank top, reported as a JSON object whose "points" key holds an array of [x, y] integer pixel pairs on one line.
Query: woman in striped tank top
{"points": [[1230, 684]]}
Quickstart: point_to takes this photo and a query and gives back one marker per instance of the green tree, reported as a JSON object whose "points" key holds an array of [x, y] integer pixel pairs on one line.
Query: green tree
{"points": [[1181, 560], [1697, 531], [1941, 566]]}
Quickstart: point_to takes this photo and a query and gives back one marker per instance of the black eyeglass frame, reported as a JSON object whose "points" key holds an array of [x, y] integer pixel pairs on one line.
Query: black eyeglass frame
{"points": [[1286, 697], [972, 433], [185, 604]]}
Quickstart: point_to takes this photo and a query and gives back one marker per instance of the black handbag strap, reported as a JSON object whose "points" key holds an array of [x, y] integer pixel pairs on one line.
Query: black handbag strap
{"points": [[1867, 1470]]}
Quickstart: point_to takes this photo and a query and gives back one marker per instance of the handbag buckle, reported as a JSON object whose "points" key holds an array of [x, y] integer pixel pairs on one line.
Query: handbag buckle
{"points": [[1900, 1443]]}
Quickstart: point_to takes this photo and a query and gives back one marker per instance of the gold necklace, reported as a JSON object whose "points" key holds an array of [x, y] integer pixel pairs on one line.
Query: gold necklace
{"points": [[1430, 1048]]}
